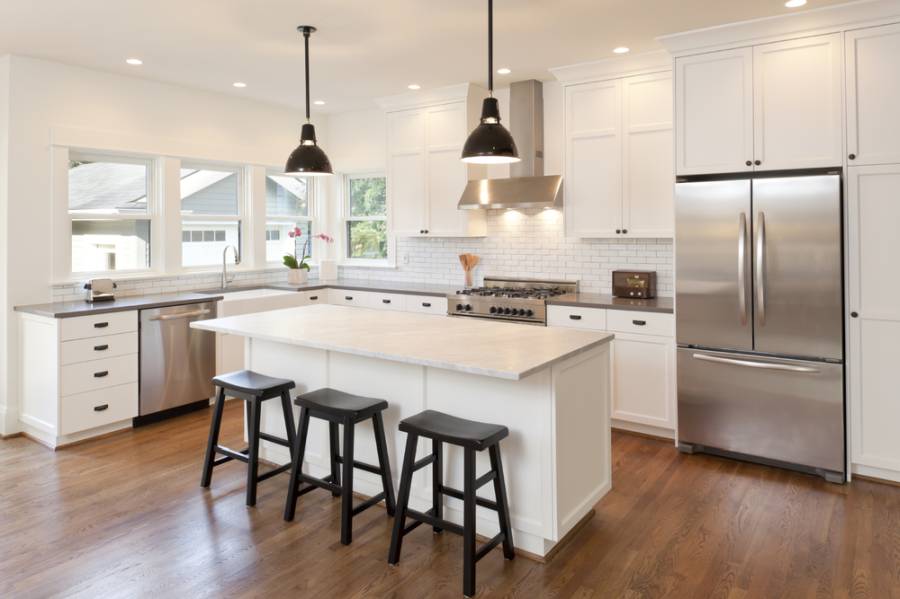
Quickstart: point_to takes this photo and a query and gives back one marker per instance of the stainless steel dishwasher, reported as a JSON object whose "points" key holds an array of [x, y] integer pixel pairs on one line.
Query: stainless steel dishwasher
{"points": [[177, 362]]}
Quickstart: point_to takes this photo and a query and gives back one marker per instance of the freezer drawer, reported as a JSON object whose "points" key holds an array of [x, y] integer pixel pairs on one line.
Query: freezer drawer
{"points": [[790, 411]]}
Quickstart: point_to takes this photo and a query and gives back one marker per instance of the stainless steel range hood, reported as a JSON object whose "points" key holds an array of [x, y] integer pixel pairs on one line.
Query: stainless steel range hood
{"points": [[527, 186]]}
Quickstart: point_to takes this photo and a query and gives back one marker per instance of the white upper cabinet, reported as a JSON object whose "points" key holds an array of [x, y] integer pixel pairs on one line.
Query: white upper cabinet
{"points": [[648, 204], [714, 112], [425, 176], [593, 179], [797, 103], [619, 177], [873, 95]]}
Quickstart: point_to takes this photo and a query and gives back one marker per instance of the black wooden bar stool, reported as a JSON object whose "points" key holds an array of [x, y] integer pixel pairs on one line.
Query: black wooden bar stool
{"points": [[337, 408], [253, 388], [471, 436]]}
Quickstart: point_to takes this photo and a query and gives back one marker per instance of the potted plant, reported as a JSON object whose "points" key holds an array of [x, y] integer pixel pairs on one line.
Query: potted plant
{"points": [[298, 266]]}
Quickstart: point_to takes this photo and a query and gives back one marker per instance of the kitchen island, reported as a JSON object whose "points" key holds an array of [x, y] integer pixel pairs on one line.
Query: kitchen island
{"points": [[550, 386]]}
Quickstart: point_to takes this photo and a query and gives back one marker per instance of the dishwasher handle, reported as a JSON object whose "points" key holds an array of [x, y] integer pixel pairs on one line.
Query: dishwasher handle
{"points": [[181, 315]]}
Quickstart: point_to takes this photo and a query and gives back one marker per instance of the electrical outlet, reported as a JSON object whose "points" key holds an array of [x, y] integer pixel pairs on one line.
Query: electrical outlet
{"points": [[405, 258]]}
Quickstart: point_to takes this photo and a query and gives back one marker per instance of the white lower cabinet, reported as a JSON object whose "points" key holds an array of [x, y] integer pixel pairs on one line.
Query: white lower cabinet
{"points": [[425, 304], [643, 363], [384, 301]]}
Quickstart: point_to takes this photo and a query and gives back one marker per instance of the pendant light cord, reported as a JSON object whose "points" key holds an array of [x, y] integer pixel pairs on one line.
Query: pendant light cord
{"points": [[306, 45], [490, 48]]}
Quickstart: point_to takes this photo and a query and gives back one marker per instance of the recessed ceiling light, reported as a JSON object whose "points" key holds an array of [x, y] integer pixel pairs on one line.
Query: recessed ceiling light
{"points": [[794, 3], [621, 50], [319, 102], [414, 86], [239, 84], [134, 61], [503, 71]]}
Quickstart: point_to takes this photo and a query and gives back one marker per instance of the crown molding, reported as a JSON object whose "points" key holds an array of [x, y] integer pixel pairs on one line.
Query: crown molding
{"points": [[817, 21], [613, 68]]}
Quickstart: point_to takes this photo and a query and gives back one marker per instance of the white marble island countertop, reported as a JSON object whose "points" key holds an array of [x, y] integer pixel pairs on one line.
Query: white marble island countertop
{"points": [[476, 346]]}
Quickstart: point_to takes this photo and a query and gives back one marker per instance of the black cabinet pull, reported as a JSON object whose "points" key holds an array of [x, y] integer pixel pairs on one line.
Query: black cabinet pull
{"points": [[101, 374], [618, 231], [101, 325], [101, 407], [385, 301], [749, 163], [426, 304], [854, 314], [639, 323], [313, 298], [103, 347], [349, 298], [852, 156], [757, 162], [575, 316]]}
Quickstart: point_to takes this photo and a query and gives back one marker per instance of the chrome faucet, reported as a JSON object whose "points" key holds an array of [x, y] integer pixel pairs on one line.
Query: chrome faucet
{"points": [[237, 260]]}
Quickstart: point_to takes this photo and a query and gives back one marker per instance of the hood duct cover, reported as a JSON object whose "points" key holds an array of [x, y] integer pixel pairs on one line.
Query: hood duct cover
{"points": [[527, 186]]}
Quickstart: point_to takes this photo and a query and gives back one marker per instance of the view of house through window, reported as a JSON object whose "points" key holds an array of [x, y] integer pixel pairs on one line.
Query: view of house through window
{"points": [[210, 213], [108, 207], [287, 206], [366, 217]]}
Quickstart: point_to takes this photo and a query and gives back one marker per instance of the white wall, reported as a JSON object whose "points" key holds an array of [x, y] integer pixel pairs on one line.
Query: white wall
{"points": [[54, 103], [4, 155]]}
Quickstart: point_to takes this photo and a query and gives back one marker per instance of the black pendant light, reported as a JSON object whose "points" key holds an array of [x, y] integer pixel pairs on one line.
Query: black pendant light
{"points": [[308, 159], [490, 142]]}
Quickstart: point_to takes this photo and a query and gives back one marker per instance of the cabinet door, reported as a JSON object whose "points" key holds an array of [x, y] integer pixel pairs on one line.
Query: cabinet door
{"points": [[644, 380], [873, 95], [406, 171], [874, 211], [648, 177], [797, 103], [714, 112], [593, 201]]}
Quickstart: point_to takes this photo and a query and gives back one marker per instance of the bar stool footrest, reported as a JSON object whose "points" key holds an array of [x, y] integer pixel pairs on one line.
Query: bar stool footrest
{"points": [[368, 503], [457, 494], [429, 518], [273, 472], [274, 439], [487, 547], [360, 465], [231, 454]]}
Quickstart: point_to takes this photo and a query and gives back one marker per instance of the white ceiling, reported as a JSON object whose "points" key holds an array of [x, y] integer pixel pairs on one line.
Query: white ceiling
{"points": [[363, 49]]}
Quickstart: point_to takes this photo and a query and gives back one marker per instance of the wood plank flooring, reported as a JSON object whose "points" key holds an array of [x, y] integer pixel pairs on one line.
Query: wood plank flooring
{"points": [[125, 516]]}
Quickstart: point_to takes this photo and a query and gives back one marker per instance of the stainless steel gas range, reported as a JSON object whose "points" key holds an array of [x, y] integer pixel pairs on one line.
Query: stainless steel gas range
{"points": [[517, 300]]}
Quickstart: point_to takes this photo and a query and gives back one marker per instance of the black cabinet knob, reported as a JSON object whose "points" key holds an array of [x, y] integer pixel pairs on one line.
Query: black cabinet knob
{"points": [[426, 304], [757, 162], [854, 314], [749, 163], [618, 231], [852, 156], [624, 231], [313, 298], [349, 298]]}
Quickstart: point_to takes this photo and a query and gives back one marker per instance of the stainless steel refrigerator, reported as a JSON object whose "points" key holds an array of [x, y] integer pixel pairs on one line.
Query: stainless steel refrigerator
{"points": [[759, 314]]}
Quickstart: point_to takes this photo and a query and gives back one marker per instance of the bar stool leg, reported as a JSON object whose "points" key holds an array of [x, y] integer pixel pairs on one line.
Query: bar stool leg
{"points": [[335, 468], [437, 481], [253, 453], [289, 426], [290, 505], [214, 428], [409, 458], [469, 523], [502, 502], [347, 484], [384, 462]]}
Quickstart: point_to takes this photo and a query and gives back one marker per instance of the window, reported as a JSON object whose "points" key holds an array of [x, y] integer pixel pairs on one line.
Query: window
{"points": [[288, 205], [211, 210], [110, 213], [366, 217]]}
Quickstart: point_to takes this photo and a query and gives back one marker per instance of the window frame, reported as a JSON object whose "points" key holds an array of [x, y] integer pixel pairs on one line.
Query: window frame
{"points": [[241, 217], [285, 219], [152, 215], [347, 218]]}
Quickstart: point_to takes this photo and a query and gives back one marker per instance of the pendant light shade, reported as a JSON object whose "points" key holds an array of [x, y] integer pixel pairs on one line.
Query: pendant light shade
{"points": [[490, 142], [307, 159]]}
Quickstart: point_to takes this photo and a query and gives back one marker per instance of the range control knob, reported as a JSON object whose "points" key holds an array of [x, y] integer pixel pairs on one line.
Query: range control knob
{"points": [[521, 312], [506, 310], [468, 307], [529, 312], [493, 310], [459, 306]]}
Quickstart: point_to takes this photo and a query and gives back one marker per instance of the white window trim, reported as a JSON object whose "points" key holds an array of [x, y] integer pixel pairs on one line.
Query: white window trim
{"points": [[342, 237], [62, 256], [284, 219]]}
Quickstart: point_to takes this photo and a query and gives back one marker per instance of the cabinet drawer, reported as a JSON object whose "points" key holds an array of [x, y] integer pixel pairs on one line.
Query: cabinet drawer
{"points": [[644, 323], [96, 348], [347, 297], [84, 411], [98, 374], [99, 325], [577, 318], [425, 304], [384, 301]]}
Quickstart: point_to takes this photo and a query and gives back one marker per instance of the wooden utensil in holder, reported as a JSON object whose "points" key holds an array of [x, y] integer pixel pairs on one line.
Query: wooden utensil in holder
{"points": [[469, 262]]}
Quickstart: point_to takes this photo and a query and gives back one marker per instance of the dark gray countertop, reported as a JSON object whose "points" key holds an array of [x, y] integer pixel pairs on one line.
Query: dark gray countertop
{"points": [[597, 300], [135, 302]]}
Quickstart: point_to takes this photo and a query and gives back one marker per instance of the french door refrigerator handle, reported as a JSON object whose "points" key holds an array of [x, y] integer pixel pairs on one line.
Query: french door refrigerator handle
{"points": [[752, 364], [742, 265], [761, 268]]}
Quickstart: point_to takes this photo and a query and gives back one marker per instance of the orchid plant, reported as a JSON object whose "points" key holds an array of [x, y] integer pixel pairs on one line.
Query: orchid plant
{"points": [[293, 261]]}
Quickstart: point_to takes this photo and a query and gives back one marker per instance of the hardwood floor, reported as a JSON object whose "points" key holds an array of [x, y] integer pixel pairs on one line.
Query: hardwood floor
{"points": [[125, 516]]}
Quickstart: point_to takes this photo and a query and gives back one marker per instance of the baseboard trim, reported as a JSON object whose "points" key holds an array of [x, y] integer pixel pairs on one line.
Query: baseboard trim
{"points": [[642, 433], [876, 475]]}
